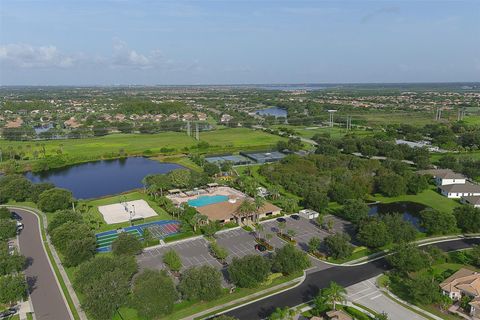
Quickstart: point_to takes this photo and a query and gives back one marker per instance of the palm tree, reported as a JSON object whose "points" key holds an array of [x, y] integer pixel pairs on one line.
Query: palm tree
{"points": [[260, 229], [246, 208], [259, 202], [335, 293], [274, 192], [282, 314]]}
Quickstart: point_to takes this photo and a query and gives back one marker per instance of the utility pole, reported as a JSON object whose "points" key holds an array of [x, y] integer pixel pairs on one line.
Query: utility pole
{"points": [[330, 121], [349, 123], [438, 114], [188, 128]]}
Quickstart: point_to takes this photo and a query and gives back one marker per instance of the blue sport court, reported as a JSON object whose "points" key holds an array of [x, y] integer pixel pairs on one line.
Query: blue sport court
{"points": [[206, 200], [158, 229]]}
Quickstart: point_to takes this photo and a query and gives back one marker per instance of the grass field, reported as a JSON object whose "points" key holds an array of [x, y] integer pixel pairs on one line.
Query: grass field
{"points": [[335, 132], [95, 218], [83, 150], [429, 198]]}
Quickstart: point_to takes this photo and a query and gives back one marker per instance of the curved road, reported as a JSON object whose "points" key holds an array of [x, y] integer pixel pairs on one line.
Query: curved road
{"points": [[45, 294], [345, 276]]}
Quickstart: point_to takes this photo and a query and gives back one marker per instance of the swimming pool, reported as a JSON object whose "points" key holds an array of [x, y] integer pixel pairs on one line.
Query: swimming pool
{"points": [[206, 200]]}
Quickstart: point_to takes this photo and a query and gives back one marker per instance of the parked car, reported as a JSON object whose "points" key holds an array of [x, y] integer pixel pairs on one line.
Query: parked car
{"points": [[16, 216], [281, 220], [19, 226], [260, 247], [295, 217]]}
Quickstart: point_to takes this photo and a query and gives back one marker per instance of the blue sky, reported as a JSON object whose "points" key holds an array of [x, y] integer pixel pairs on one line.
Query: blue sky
{"points": [[232, 42]]}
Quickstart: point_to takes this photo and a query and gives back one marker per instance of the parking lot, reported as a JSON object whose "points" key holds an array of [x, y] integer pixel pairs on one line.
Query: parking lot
{"points": [[305, 229], [193, 253]]}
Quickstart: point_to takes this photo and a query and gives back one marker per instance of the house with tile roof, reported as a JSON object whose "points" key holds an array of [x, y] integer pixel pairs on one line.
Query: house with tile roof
{"points": [[464, 282]]}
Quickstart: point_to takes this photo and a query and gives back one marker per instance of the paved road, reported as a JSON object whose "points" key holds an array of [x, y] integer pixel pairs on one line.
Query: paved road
{"points": [[47, 300], [345, 276], [366, 293]]}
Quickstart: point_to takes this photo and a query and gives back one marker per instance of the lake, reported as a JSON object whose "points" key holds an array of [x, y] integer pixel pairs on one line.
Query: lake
{"points": [[409, 210], [102, 178], [273, 111]]}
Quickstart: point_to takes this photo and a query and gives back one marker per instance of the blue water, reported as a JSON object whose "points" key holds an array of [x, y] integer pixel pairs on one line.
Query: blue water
{"points": [[102, 178], [273, 111], [206, 200], [410, 211]]}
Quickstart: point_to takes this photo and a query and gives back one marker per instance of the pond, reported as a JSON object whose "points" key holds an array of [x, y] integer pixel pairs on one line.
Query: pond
{"points": [[273, 111], [102, 178], [409, 210]]}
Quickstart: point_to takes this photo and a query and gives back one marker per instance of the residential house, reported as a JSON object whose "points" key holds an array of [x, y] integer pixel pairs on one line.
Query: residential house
{"points": [[457, 191], [226, 118], [445, 176], [202, 116], [464, 282], [472, 200], [71, 123], [338, 315], [17, 123]]}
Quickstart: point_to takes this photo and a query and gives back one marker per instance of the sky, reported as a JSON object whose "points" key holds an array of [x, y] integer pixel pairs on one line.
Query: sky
{"points": [[140, 42]]}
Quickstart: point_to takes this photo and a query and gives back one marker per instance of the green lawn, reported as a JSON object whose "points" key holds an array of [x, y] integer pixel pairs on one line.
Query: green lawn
{"points": [[94, 217], [83, 150], [429, 198], [310, 131]]}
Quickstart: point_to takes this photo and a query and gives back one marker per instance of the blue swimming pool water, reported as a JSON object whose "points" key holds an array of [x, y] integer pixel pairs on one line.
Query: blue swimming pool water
{"points": [[206, 200]]}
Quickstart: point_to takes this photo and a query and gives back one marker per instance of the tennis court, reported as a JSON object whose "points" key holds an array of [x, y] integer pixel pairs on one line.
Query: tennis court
{"points": [[158, 229]]}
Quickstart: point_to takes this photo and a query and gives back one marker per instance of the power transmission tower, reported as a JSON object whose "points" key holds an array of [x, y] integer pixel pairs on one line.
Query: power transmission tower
{"points": [[330, 121], [197, 134], [188, 128], [438, 114], [461, 113]]}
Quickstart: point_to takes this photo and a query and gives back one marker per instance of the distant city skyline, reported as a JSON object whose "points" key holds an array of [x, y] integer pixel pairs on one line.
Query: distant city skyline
{"points": [[127, 42]]}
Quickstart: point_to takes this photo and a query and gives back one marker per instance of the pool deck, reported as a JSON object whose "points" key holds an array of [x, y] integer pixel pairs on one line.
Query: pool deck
{"points": [[216, 191]]}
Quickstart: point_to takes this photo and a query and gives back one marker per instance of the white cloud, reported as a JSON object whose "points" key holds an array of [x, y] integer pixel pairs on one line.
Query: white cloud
{"points": [[123, 56], [28, 56]]}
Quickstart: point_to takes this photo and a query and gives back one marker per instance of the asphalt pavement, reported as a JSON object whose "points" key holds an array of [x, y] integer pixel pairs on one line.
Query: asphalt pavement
{"points": [[345, 276], [45, 294]]}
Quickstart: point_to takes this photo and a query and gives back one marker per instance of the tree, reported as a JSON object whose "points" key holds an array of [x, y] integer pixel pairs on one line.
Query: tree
{"points": [[211, 169], [13, 288], [249, 271], [475, 254], [126, 244], [282, 314], [15, 187], [90, 272], [201, 283], [313, 244], [423, 289], [5, 213], [62, 217], [8, 229], [316, 200], [219, 252], [381, 316], [338, 245], [289, 260], [408, 258], [10, 263], [438, 222], [109, 293], [335, 294], [392, 185], [75, 241], [468, 218], [399, 229], [180, 178], [374, 233], [172, 260], [246, 209], [417, 183], [355, 210], [153, 294], [55, 199], [38, 188]]}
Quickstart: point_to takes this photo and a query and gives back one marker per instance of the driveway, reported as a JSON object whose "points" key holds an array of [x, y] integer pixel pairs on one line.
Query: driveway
{"points": [[366, 293], [47, 299]]}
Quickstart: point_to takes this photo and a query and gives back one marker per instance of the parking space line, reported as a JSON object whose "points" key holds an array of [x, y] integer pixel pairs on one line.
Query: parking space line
{"points": [[377, 296]]}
